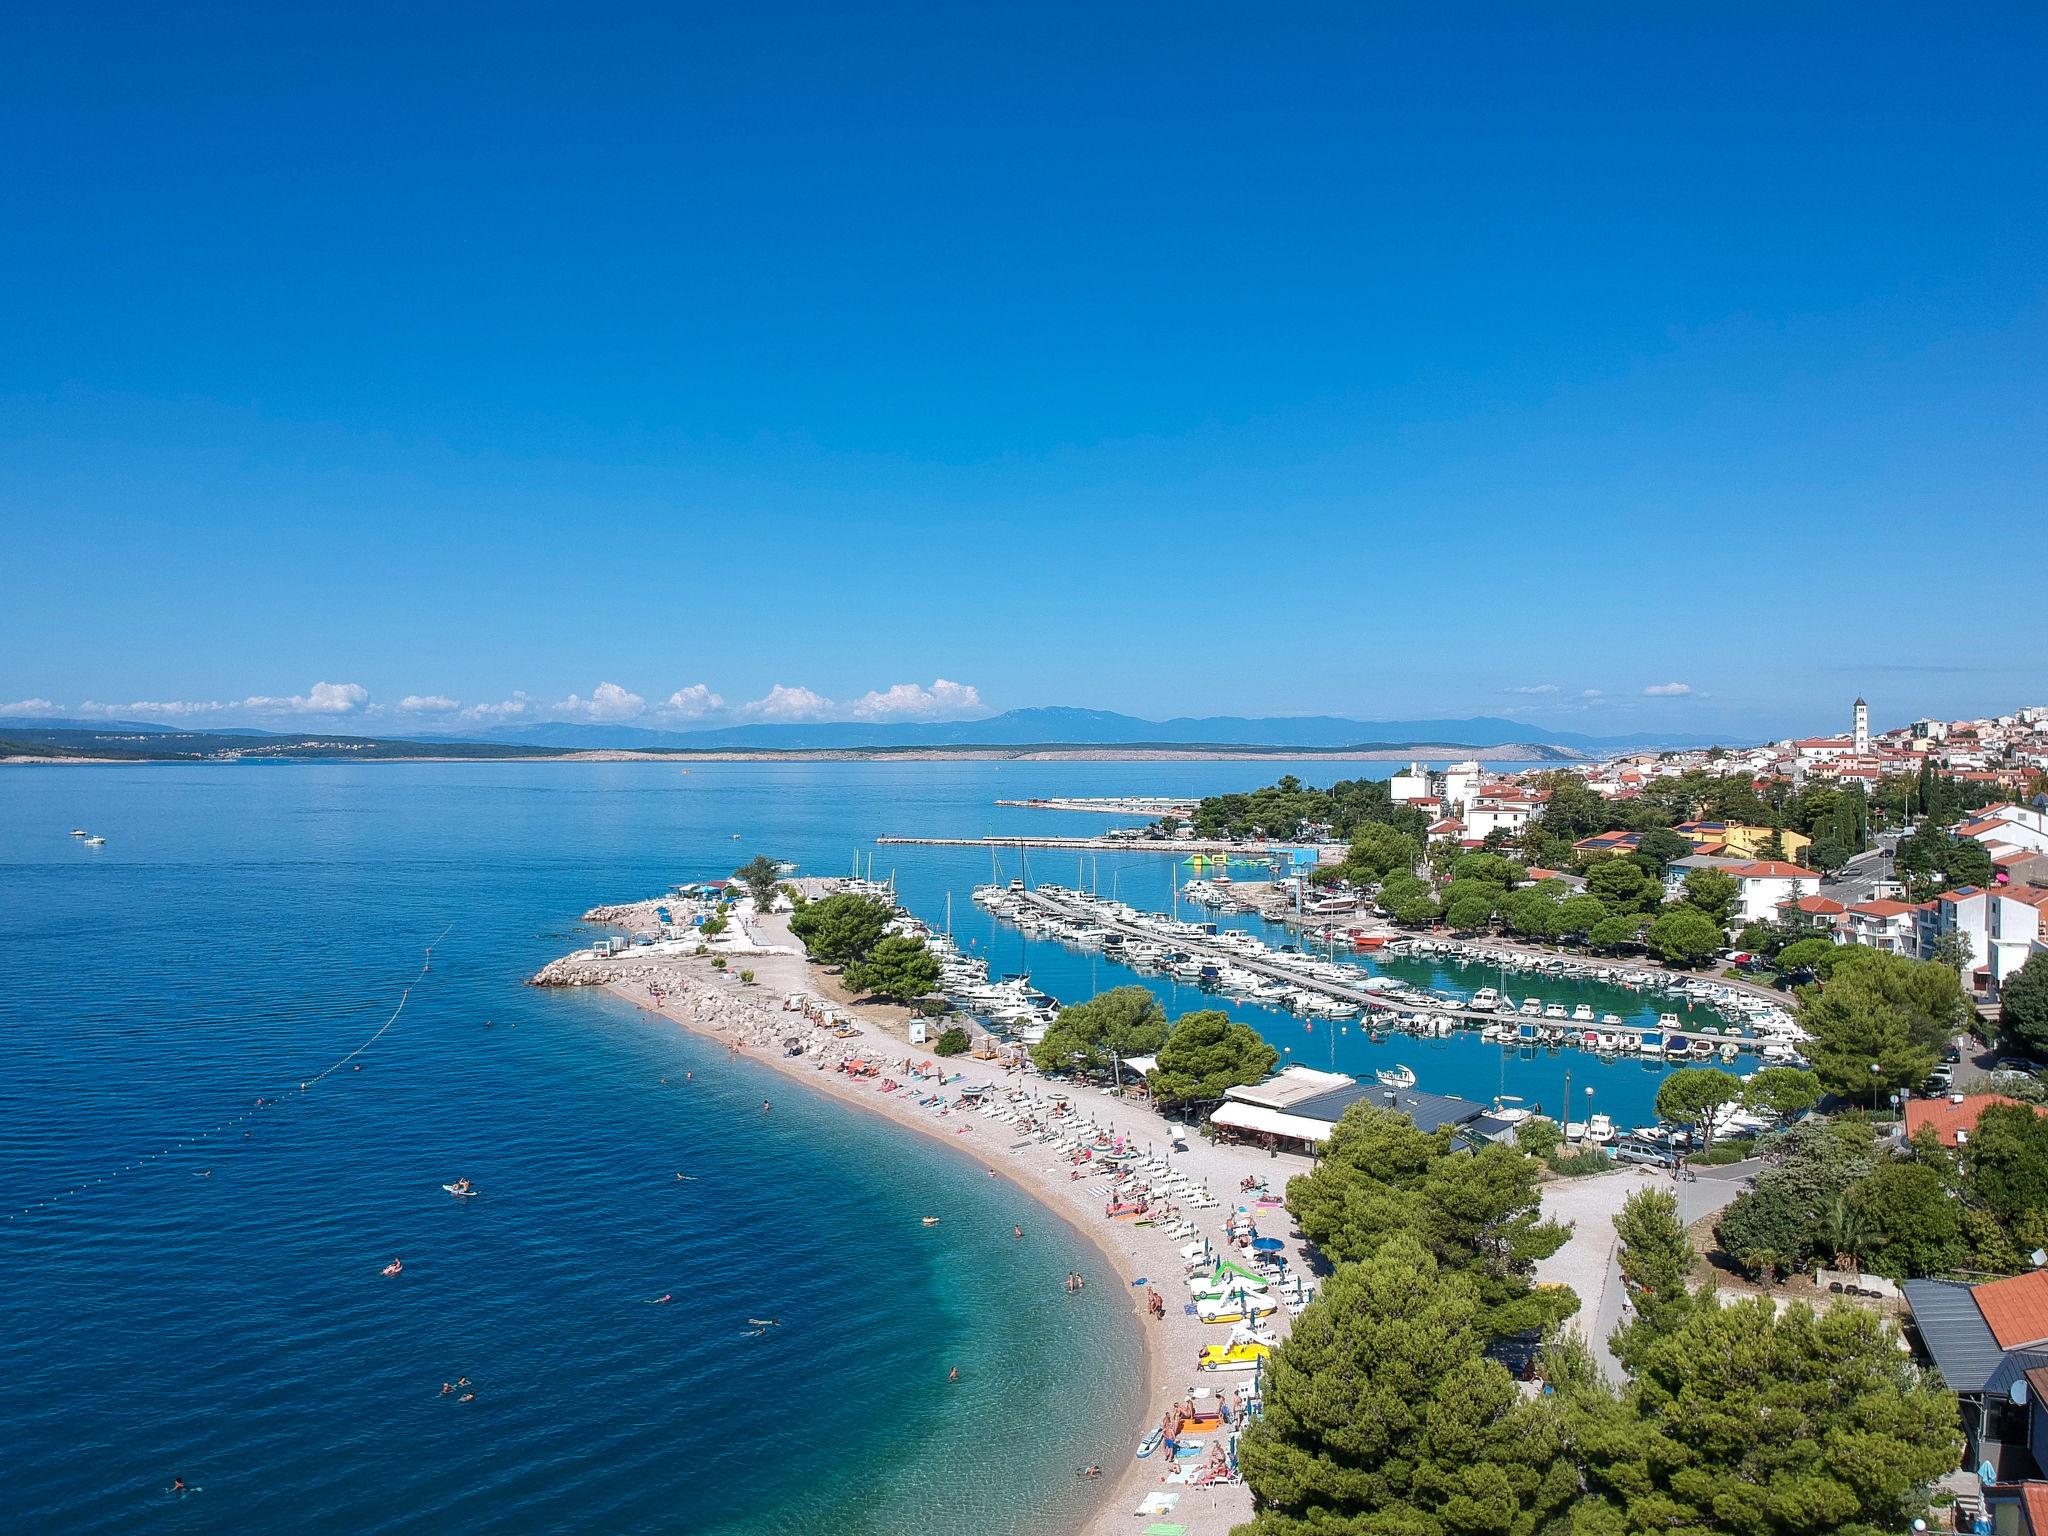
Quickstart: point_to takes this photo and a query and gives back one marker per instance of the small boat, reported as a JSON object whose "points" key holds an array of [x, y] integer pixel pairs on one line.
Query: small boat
{"points": [[931, 1221], [95, 841], [1235, 1309], [1232, 1357], [1396, 1076], [461, 1189], [1150, 1443], [1583, 1014], [78, 831]]}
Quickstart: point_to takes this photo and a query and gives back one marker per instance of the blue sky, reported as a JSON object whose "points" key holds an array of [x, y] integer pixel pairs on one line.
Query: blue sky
{"points": [[1165, 359]]}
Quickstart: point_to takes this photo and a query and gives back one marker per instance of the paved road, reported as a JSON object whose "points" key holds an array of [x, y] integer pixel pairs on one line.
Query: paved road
{"points": [[1588, 1263], [1857, 880]]}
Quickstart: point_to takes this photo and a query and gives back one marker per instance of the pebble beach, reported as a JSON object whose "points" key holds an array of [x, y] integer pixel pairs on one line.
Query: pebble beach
{"points": [[785, 1009]]}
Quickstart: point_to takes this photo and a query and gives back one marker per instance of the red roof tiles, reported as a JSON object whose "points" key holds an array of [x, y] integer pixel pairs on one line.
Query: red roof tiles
{"points": [[1945, 1116], [2017, 1309]]}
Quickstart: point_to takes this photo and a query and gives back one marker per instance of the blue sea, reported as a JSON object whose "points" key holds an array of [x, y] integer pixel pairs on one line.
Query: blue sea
{"points": [[191, 1283]]}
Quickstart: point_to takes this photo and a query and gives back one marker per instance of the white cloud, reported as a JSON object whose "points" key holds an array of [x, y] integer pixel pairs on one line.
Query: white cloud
{"points": [[782, 703], [506, 710], [320, 699], [607, 701], [30, 707], [1533, 688], [1668, 690], [176, 709], [908, 701], [1590, 693], [694, 702], [427, 704]]}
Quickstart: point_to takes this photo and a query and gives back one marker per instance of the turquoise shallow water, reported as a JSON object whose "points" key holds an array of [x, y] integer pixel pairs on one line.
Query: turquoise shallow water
{"points": [[247, 926]]}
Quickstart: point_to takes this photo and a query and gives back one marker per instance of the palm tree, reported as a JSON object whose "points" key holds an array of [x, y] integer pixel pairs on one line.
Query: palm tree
{"points": [[1843, 1232]]}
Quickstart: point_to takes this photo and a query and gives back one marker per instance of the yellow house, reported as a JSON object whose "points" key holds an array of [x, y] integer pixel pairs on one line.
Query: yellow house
{"points": [[1731, 839]]}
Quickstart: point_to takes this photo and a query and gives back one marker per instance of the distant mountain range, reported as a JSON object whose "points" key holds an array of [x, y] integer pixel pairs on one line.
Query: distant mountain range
{"points": [[1086, 727], [1015, 728]]}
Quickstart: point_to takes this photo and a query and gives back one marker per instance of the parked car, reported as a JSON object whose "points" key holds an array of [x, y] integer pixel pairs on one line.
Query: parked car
{"points": [[1633, 1149]]}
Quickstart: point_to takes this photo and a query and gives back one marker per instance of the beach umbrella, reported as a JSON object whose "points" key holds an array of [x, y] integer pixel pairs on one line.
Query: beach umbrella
{"points": [[1268, 1244]]}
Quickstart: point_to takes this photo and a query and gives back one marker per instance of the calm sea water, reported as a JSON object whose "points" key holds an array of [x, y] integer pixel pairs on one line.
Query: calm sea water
{"points": [[190, 1284]]}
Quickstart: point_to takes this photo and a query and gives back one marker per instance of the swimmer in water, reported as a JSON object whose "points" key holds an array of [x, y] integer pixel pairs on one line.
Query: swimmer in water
{"points": [[446, 1388], [665, 1296], [764, 1106], [178, 1485], [954, 1374], [1016, 1231], [467, 1397]]}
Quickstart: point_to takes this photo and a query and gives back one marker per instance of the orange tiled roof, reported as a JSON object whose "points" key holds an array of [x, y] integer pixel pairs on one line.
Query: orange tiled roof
{"points": [[1945, 1117], [1772, 869], [2035, 1496], [2015, 1309]]}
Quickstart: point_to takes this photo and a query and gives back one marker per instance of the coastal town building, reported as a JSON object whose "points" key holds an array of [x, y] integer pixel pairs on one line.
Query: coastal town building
{"points": [[1986, 1339], [2016, 923], [1962, 914], [1889, 925], [1953, 1120], [1763, 886]]}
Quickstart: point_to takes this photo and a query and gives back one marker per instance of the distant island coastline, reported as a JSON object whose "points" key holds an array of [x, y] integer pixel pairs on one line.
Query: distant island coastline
{"points": [[70, 746]]}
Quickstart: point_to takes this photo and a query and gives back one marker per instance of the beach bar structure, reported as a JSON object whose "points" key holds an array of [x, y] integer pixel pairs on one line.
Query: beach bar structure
{"points": [[1297, 1109]]}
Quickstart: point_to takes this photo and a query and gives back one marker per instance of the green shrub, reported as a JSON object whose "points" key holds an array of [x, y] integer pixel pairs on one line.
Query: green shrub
{"points": [[1725, 1153], [953, 1042], [1578, 1164]]}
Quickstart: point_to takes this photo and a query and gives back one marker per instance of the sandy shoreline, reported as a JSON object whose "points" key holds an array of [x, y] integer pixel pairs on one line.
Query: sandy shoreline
{"points": [[721, 1007]]}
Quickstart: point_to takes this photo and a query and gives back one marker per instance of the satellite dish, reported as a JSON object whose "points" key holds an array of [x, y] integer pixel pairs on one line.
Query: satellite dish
{"points": [[2018, 1391], [2039, 1256]]}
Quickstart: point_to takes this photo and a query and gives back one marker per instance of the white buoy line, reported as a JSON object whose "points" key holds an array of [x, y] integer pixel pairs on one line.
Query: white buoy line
{"points": [[183, 1143]]}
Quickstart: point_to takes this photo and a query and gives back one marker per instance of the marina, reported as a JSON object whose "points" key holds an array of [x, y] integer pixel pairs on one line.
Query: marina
{"points": [[1232, 960], [1127, 842]]}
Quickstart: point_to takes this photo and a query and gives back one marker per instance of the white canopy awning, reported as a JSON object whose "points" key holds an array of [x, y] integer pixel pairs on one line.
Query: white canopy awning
{"points": [[1270, 1122]]}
